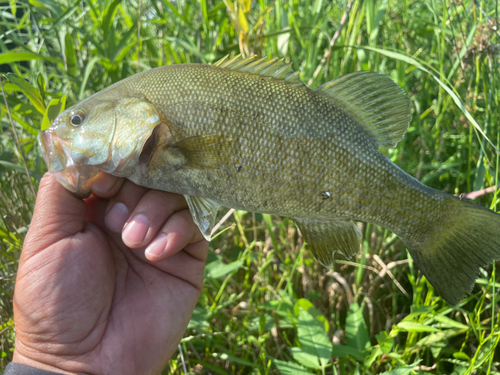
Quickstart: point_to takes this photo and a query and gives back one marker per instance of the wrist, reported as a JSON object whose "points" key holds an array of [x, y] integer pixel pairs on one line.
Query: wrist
{"points": [[37, 363]]}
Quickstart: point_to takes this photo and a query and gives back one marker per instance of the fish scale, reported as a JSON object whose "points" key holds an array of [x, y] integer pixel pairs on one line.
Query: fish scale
{"points": [[319, 154], [248, 134]]}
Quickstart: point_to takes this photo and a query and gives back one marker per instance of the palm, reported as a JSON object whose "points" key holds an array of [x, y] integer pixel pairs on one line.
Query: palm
{"points": [[102, 305]]}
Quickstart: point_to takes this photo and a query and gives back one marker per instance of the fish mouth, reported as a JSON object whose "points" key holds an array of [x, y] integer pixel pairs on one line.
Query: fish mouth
{"points": [[53, 151], [75, 177]]}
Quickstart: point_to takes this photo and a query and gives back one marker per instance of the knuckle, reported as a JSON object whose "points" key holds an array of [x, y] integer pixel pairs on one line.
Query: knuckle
{"points": [[164, 201], [130, 191], [183, 218]]}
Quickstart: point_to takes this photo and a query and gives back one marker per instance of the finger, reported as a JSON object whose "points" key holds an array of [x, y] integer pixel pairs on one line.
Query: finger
{"points": [[187, 265], [150, 214], [58, 214], [105, 185], [122, 204], [192, 258], [176, 234]]}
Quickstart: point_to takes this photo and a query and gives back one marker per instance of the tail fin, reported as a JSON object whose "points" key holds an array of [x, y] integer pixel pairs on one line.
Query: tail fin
{"points": [[451, 256]]}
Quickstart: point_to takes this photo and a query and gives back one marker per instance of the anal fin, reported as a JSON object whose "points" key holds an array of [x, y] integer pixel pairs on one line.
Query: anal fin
{"points": [[327, 237], [204, 212]]}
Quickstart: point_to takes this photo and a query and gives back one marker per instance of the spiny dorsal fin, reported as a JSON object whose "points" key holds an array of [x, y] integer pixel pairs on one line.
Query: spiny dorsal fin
{"points": [[274, 68], [379, 104]]}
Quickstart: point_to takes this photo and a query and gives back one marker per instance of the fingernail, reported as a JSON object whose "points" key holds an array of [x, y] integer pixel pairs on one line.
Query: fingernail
{"points": [[116, 217], [136, 230], [157, 247], [102, 184]]}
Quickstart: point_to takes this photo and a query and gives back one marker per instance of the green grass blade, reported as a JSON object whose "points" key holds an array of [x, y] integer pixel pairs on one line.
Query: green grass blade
{"points": [[27, 89]]}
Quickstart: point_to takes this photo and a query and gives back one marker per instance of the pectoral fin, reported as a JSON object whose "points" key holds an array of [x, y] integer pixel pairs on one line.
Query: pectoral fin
{"points": [[327, 237], [205, 151], [204, 212]]}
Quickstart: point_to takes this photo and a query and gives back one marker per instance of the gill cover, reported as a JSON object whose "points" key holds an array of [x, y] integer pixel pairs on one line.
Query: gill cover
{"points": [[135, 118]]}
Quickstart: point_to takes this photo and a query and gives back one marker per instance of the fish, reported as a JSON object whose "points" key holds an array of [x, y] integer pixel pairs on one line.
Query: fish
{"points": [[246, 133]]}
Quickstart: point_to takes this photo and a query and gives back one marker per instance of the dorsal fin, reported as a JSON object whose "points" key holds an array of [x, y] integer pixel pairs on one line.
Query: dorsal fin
{"points": [[274, 68], [379, 104]]}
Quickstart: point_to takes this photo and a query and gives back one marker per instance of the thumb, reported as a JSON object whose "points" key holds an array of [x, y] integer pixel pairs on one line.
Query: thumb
{"points": [[58, 215]]}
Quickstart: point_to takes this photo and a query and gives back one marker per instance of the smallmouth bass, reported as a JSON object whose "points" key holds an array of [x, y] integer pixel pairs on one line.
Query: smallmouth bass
{"points": [[248, 134]]}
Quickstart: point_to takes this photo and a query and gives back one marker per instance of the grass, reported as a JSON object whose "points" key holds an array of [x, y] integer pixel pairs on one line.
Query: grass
{"points": [[267, 305]]}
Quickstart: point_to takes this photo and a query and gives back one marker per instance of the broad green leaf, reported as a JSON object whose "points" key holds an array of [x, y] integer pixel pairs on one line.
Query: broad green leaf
{"points": [[376, 22], [487, 283], [385, 342], [69, 50], [204, 12], [342, 351], [461, 355], [55, 107], [10, 87], [27, 89], [479, 178], [433, 339], [174, 10], [305, 358], [13, 7], [243, 21], [40, 81], [402, 370], [290, 368], [317, 7], [19, 168], [66, 14], [119, 52], [36, 3], [269, 225], [50, 5], [190, 47], [449, 323], [311, 309], [7, 155], [356, 329], [245, 5], [224, 270], [199, 319], [14, 57], [415, 312], [107, 22], [416, 327], [19, 119], [263, 323], [313, 338]]}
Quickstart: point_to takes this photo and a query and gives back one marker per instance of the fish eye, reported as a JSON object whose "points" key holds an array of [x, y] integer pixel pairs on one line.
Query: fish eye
{"points": [[76, 117]]}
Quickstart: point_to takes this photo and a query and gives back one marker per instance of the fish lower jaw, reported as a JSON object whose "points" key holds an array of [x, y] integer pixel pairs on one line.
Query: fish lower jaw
{"points": [[78, 180]]}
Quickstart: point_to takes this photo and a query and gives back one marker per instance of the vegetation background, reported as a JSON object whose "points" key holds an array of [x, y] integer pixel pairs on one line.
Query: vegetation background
{"points": [[267, 306]]}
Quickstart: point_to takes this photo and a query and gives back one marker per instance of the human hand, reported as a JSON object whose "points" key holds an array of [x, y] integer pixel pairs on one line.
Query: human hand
{"points": [[88, 299]]}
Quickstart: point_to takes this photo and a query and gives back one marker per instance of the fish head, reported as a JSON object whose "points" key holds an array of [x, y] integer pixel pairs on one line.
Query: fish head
{"points": [[100, 133]]}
